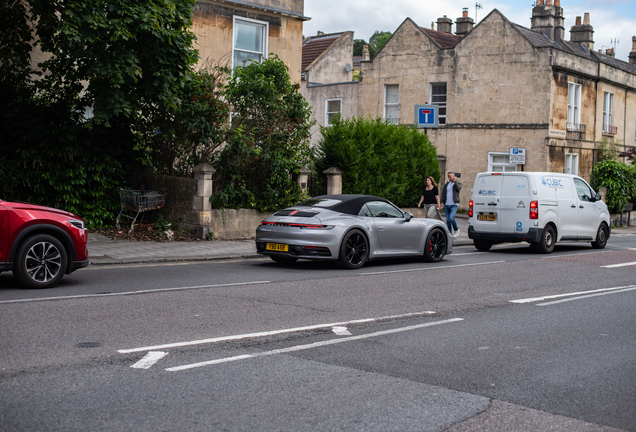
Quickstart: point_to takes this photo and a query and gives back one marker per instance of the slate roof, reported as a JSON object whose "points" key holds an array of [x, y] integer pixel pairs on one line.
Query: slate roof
{"points": [[314, 46], [445, 40]]}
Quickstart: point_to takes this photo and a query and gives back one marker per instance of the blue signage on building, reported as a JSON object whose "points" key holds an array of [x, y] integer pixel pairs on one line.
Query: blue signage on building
{"points": [[427, 116]]}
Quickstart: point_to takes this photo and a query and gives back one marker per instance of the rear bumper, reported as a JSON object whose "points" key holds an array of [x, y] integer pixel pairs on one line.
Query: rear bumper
{"points": [[6, 266], [78, 265], [532, 236]]}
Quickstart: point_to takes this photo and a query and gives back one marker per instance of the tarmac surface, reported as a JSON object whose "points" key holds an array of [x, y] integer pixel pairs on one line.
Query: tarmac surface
{"points": [[104, 251]]}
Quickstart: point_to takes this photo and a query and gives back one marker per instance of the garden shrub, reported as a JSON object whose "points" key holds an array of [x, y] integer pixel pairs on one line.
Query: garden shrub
{"points": [[620, 181], [378, 158]]}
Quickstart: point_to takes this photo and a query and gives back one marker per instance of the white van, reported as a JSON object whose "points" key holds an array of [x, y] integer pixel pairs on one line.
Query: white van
{"points": [[539, 208]]}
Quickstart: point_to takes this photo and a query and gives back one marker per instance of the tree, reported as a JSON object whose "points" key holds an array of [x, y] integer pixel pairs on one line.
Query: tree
{"points": [[377, 41], [268, 140], [123, 61], [358, 46]]}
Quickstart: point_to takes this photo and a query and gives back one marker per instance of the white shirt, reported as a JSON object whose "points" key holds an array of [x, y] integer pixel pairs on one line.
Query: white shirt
{"points": [[449, 194]]}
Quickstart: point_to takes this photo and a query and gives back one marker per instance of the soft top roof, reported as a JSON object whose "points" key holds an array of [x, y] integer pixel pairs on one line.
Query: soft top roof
{"points": [[347, 203]]}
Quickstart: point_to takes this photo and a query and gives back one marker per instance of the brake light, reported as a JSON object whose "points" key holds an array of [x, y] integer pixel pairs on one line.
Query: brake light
{"points": [[470, 208], [534, 210], [496, 173], [298, 225]]}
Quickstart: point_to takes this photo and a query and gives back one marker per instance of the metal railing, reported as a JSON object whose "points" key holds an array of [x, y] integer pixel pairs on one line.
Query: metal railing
{"points": [[609, 129]]}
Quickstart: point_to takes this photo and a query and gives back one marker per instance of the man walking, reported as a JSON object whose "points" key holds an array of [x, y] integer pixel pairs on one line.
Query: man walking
{"points": [[450, 199]]}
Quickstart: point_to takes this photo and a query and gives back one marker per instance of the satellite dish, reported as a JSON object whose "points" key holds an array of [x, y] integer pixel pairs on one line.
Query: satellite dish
{"points": [[348, 67]]}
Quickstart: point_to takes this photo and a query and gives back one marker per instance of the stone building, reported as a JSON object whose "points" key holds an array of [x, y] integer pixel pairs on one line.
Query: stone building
{"points": [[243, 31], [499, 86], [327, 84]]}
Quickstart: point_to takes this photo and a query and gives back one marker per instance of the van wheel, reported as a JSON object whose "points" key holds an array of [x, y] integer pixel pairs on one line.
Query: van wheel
{"points": [[548, 239], [601, 238], [482, 245]]}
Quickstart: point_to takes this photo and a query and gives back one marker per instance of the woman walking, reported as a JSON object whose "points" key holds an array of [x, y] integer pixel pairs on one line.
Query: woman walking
{"points": [[430, 197]]}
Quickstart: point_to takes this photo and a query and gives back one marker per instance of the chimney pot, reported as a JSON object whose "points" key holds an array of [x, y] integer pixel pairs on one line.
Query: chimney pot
{"points": [[586, 18], [548, 2], [578, 20], [366, 55], [539, 2], [465, 12], [632, 55], [433, 25], [557, 3], [320, 33], [633, 43]]}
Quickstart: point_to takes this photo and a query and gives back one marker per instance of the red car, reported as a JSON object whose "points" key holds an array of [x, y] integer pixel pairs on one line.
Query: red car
{"points": [[40, 244]]}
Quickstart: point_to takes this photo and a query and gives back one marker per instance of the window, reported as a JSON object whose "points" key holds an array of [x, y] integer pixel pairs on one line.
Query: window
{"points": [[381, 209], [572, 163], [608, 101], [332, 109], [250, 42], [500, 162], [391, 102], [438, 97], [582, 190], [574, 106]]}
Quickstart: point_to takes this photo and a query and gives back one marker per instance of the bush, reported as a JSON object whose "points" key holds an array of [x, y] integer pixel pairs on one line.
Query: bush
{"points": [[620, 181], [378, 158]]}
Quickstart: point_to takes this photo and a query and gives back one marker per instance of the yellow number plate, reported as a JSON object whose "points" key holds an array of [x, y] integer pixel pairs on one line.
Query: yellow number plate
{"points": [[487, 217], [276, 247]]}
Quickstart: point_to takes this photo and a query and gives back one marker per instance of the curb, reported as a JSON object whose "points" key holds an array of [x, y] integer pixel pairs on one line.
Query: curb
{"points": [[105, 262]]}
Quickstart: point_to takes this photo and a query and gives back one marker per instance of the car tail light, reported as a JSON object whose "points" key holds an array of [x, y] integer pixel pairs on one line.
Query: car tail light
{"points": [[298, 225], [470, 208], [534, 210]]}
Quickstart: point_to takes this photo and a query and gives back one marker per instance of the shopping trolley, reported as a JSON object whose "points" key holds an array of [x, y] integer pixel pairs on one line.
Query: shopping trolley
{"points": [[137, 202]]}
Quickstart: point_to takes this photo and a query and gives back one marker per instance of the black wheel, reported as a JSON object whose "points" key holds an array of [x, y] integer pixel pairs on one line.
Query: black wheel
{"points": [[548, 239], [283, 260], [482, 245], [40, 261], [354, 250], [435, 246], [601, 237]]}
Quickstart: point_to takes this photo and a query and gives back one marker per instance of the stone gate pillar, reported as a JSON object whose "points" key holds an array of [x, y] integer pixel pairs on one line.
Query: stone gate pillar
{"points": [[303, 178], [334, 180], [201, 202]]}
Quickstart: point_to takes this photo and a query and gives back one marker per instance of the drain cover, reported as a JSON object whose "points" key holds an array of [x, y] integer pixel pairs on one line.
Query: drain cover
{"points": [[88, 345]]}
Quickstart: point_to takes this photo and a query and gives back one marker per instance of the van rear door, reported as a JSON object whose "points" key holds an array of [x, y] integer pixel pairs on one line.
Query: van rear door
{"points": [[486, 205], [515, 203]]}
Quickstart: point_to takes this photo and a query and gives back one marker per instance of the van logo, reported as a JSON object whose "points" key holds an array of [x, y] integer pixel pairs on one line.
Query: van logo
{"points": [[487, 192], [551, 182], [521, 205]]}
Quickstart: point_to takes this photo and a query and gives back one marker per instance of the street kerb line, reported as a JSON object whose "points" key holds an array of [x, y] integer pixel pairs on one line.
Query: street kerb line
{"points": [[273, 332], [310, 346], [586, 296], [431, 268], [159, 290], [581, 293]]}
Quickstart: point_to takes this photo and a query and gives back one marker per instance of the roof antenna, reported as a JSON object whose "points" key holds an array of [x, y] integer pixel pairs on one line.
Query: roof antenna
{"points": [[477, 6], [615, 42]]}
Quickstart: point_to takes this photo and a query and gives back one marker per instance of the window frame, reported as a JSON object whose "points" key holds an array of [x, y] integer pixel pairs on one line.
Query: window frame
{"points": [[327, 112], [574, 106], [442, 117], [503, 165], [607, 113], [265, 25], [392, 104], [572, 157]]}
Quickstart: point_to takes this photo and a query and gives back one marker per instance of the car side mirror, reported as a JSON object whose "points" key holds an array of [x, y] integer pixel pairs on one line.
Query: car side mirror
{"points": [[598, 196], [408, 216]]}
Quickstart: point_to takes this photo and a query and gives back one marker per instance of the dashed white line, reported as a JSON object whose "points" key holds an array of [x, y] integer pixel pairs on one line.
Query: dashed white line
{"points": [[273, 332], [431, 268], [341, 331], [309, 346], [149, 359], [585, 296], [133, 292], [620, 265], [581, 293]]}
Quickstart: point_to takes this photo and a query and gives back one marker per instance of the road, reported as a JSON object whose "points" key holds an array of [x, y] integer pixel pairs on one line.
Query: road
{"points": [[474, 342]]}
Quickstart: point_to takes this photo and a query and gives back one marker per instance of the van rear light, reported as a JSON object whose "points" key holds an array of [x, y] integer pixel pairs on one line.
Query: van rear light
{"points": [[534, 210], [496, 173], [470, 208]]}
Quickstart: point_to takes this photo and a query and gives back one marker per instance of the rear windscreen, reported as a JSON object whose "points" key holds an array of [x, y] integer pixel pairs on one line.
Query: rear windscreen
{"points": [[515, 185], [488, 186], [319, 202]]}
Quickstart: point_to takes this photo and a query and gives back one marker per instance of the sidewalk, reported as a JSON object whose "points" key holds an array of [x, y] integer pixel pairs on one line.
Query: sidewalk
{"points": [[103, 251]]}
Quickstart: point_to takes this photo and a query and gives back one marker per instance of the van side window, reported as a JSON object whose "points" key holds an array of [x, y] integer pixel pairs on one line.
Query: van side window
{"points": [[582, 190]]}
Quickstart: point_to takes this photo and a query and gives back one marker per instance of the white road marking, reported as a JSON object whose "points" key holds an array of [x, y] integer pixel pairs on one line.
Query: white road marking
{"points": [[310, 346], [133, 292], [341, 331], [149, 359], [585, 296], [431, 268], [536, 299], [273, 332], [469, 253], [620, 265]]}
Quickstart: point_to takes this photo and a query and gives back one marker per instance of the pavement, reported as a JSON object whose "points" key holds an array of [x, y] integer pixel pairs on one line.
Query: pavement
{"points": [[103, 251]]}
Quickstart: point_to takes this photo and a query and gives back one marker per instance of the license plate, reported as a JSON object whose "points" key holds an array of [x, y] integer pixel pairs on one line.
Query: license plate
{"points": [[487, 217], [276, 247]]}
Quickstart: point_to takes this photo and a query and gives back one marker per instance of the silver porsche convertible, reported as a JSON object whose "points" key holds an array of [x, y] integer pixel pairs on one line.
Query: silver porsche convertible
{"points": [[351, 230]]}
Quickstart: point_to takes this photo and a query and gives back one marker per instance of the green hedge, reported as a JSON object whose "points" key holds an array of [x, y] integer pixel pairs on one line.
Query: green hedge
{"points": [[378, 158], [620, 181]]}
